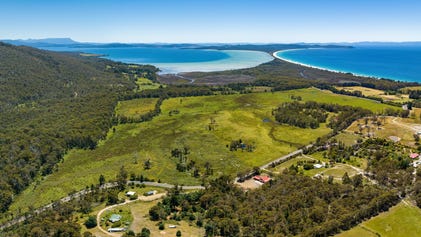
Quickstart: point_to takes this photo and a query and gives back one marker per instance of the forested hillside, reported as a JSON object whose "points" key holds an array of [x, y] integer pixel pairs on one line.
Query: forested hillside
{"points": [[50, 102]]}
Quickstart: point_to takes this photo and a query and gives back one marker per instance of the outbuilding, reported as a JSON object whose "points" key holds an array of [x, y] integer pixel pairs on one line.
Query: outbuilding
{"points": [[116, 230]]}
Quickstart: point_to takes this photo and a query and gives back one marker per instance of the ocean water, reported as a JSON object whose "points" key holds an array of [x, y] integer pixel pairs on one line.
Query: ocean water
{"points": [[393, 62], [176, 60]]}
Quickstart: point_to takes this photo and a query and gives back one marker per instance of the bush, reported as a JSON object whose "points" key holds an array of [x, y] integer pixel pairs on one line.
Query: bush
{"points": [[161, 226], [91, 222], [133, 197], [308, 166], [178, 233], [145, 232]]}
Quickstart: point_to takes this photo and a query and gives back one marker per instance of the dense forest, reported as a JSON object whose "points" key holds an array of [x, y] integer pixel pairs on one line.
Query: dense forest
{"points": [[51, 102]]}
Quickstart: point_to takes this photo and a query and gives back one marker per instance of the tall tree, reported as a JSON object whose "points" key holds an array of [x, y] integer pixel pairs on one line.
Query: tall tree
{"points": [[122, 178]]}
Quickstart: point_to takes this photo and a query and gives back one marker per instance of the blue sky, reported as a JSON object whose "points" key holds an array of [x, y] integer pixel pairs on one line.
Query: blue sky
{"points": [[212, 21]]}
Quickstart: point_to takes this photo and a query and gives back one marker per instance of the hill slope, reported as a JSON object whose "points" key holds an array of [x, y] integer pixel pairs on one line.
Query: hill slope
{"points": [[50, 102]]}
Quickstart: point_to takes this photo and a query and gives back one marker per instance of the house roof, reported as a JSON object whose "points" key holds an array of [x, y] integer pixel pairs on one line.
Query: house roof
{"points": [[115, 218], [414, 155], [262, 178]]}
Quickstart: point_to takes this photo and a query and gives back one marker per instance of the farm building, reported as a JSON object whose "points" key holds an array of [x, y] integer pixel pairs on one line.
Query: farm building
{"points": [[114, 218], [262, 178]]}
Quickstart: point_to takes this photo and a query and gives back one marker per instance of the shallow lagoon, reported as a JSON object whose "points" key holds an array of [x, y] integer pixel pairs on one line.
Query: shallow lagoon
{"points": [[176, 60]]}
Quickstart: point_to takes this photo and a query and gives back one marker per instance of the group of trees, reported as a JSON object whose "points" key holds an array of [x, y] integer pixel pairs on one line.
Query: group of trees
{"points": [[388, 163], [145, 232], [310, 114], [291, 205], [303, 115], [184, 163], [240, 144]]}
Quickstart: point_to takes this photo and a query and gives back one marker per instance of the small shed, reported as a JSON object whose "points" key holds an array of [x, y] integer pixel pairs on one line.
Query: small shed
{"points": [[114, 218]]}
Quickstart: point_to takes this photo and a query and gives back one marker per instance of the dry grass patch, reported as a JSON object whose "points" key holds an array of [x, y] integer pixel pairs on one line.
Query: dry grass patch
{"points": [[376, 93]]}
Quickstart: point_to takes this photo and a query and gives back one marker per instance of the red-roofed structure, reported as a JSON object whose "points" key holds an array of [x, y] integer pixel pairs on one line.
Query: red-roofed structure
{"points": [[262, 178], [414, 155]]}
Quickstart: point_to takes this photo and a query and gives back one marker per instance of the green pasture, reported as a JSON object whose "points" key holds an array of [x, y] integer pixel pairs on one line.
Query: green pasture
{"points": [[232, 117], [146, 84], [136, 107], [400, 221]]}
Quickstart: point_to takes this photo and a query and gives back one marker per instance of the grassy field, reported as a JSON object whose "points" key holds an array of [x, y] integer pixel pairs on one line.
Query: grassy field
{"points": [[146, 84], [337, 171], [400, 221], [297, 136], [403, 129], [140, 211], [285, 165], [135, 108], [376, 93], [241, 116], [412, 88], [349, 138]]}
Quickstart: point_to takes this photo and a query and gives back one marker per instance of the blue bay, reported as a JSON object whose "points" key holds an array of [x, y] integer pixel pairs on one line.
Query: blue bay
{"points": [[392, 62]]}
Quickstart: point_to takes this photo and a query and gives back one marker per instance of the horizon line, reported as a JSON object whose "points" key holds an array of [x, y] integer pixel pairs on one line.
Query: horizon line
{"points": [[220, 42]]}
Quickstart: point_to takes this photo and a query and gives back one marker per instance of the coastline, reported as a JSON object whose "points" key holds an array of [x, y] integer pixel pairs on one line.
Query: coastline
{"points": [[275, 54]]}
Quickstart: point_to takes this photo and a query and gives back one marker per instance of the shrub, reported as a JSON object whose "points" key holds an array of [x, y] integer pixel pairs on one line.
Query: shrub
{"points": [[161, 226], [91, 222], [145, 232]]}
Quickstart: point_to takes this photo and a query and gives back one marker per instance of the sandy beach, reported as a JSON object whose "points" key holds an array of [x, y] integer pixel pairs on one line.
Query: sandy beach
{"points": [[275, 54]]}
